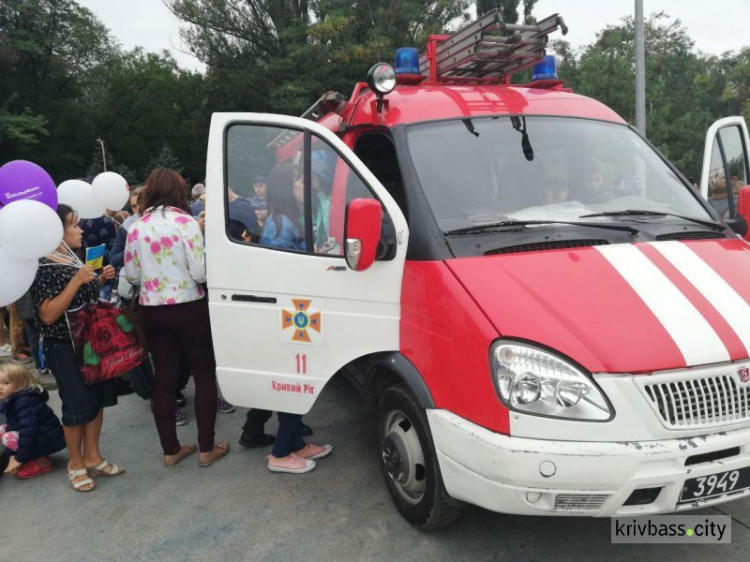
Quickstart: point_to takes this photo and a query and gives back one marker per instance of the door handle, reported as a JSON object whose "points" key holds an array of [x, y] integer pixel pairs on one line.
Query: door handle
{"points": [[253, 298]]}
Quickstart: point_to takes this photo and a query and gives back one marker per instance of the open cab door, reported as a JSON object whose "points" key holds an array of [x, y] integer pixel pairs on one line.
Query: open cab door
{"points": [[726, 170], [305, 256]]}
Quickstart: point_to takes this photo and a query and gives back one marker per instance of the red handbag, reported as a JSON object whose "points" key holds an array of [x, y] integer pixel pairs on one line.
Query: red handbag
{"points": [[105, 342]]}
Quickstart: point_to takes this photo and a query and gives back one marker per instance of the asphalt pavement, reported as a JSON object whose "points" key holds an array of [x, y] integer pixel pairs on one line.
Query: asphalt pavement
{"points": [[238, 510]]}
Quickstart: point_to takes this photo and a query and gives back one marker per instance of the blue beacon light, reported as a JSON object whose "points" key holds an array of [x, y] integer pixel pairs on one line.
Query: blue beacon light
{"points": [[407, 60], [545, 70]]}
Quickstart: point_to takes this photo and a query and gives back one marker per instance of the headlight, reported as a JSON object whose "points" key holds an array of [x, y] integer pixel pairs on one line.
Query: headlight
{"points": [[532, 380]]}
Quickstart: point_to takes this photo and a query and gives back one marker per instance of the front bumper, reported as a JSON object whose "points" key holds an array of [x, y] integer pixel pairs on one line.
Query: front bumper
{"points": [[543, 477]]}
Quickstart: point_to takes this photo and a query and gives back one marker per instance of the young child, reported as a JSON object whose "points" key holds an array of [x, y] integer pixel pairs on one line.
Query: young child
{"points": [[32, 431]]}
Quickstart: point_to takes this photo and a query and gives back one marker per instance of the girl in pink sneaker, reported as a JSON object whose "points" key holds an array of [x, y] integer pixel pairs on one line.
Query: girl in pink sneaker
{"points": [[290, 453], [32, 432]]}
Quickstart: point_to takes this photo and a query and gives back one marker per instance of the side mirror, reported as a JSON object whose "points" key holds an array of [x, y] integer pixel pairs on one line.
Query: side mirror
{"points": [[362, 232], [739, 225]]}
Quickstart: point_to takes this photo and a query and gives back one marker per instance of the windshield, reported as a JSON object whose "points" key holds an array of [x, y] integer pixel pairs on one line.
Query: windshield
{"points": [[488, 170]]}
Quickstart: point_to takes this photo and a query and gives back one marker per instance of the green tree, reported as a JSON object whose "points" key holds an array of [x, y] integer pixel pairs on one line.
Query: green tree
{"points": [[528, 7], [97, 166], [275, 55], [508, 9], [53, 54], [148, 102], [129, 175], [20, 131], [165, 159], [735, 95], [66, 83], [97, 161], [678, 92]]}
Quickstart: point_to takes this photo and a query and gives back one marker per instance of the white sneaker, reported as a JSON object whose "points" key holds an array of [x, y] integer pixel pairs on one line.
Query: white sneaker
{"points": [[6, 350]]}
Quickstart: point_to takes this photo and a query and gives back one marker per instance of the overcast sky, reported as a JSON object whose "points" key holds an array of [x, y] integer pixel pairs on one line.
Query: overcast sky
{"points": [[715, 26]]}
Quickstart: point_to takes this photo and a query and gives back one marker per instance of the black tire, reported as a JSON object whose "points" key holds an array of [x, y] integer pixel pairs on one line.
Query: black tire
{"points": [[420, 497]]}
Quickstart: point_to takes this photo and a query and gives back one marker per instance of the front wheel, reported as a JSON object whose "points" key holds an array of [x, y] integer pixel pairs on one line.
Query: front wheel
{"points": [[409, 463]]}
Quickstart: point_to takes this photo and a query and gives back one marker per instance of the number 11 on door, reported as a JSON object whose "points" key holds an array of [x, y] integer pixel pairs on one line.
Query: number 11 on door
{"points": [[301, 359]]}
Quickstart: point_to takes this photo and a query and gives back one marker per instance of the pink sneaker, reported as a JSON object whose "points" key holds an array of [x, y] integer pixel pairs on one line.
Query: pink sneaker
{"points": [[314, 452], [293, 464]]}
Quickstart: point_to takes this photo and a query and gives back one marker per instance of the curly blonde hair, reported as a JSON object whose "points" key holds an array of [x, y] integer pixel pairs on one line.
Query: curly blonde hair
{"points": [[19, 375]]}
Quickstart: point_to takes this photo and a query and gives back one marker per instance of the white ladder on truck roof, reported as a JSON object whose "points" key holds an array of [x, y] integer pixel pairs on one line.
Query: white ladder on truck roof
{"points": [[487, 50]]}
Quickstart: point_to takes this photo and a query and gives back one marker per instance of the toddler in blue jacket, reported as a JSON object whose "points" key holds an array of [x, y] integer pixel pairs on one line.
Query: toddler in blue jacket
{"points": [[32, 431]]}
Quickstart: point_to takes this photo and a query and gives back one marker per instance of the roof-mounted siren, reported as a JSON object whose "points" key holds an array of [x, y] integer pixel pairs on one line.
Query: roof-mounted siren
{"points": [[487, 51], [407, 66], [407, 60], [545, 70]]}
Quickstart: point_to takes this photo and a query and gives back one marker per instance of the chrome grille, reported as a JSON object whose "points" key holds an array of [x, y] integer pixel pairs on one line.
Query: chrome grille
{"points": [[579, 502], [700, 402]]}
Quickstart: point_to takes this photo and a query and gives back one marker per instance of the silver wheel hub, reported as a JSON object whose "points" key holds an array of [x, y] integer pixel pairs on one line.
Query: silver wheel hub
{"points": [[403, 457]]}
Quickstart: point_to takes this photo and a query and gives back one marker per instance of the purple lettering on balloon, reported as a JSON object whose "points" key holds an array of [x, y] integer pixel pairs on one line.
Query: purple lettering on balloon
{"points": [[21, 179]]}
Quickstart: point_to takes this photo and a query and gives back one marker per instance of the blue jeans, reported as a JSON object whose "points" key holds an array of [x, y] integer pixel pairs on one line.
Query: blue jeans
{"points": [[288, 438]]}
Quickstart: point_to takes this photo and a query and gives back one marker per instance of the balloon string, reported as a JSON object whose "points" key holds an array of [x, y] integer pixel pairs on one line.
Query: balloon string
{"points": [[72, 253], [68, 259], [60, 255], [77, 266], [115, 220]]}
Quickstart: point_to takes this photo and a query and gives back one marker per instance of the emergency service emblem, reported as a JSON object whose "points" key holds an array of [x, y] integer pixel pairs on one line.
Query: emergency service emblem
{"points": [[301, 323], [744, 373]]}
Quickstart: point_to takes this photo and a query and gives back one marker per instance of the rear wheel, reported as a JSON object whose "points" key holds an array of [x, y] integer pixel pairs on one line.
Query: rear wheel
{"points": [[409, 462]]}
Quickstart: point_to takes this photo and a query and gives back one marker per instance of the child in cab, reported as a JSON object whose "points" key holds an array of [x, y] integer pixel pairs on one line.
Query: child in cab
{"points": [[32, 431]]}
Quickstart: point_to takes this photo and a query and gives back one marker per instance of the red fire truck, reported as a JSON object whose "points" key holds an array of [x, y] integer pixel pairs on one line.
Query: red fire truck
{"points": [[544, 315]]}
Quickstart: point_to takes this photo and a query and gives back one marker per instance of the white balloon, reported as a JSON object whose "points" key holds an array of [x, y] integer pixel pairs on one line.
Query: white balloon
{"points": [[17, 276], [80, 195], [111, 190], [29, 229]]}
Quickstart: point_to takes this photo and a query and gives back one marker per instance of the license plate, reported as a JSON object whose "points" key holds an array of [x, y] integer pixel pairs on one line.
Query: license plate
{"points": [[715, 485]]}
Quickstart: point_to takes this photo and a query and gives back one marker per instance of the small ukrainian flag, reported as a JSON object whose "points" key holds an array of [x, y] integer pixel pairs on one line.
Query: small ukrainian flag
{"points": [[95, 256]]}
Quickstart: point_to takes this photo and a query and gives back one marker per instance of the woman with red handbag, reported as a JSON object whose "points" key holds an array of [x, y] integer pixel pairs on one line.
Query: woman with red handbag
{"points": [[165, 257], [63, 284]]}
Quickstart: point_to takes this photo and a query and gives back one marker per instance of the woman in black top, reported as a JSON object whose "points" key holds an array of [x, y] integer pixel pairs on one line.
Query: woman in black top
{"points": [[62, 284]]}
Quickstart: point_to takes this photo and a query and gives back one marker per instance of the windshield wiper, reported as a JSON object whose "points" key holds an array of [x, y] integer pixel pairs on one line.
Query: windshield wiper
{"points": [[470, 127], [520, 225], [636, 212], [519, 124]]}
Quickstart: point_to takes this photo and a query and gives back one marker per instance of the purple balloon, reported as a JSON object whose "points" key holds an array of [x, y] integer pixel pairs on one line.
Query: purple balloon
{"points": [[25, 180]]}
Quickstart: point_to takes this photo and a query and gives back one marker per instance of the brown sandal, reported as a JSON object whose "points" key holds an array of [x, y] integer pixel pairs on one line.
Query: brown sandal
{"points": [[185, 451], [214, 455]]}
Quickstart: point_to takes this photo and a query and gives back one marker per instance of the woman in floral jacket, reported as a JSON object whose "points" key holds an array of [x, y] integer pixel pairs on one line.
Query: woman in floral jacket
{"points": [[165, 256]]}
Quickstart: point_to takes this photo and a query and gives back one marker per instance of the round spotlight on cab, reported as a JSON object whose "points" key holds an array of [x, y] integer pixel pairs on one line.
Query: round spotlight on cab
{"points": [[381, 78]]}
